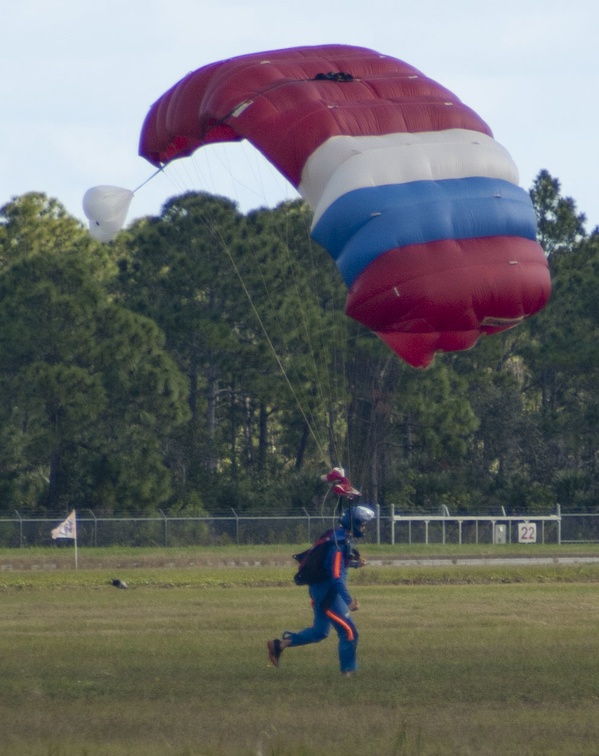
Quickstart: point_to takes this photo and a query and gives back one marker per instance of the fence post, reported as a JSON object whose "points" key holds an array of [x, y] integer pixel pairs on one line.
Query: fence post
{"points": [[20, 528], [444, 513], [378, 523], [236, 525], [165, 528], [95, 527], [308, 516], [558, 512], [393, 524]]}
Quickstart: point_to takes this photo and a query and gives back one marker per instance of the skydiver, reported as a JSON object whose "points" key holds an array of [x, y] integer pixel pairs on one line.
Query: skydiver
{"points": [[331, 601]]}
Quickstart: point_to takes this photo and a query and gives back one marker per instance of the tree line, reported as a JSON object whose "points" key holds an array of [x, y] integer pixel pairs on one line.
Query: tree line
{"points": [[202, 362]]}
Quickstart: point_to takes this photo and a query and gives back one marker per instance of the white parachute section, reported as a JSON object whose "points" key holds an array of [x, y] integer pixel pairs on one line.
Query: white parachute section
{"points": [[106, 208]]}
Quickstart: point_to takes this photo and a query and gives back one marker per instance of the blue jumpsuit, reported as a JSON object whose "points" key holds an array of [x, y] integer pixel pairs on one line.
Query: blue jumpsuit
{"points": [[330, 601]]}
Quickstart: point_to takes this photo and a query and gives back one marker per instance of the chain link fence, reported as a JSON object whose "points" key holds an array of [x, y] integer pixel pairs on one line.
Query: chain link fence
{"points": [[169, 531], [22, 530]]}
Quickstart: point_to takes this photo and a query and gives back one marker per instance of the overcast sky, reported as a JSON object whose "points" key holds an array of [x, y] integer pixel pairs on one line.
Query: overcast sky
{"points": [[78, 78]]}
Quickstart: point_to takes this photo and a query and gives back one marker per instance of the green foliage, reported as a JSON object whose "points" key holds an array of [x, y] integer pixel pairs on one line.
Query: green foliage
{"points": [[203, 362], [559, 226], [86, 386]]}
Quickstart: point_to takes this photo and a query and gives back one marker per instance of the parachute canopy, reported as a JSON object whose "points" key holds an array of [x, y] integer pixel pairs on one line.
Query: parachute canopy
{"points": [[413, 198], [106, 208]]}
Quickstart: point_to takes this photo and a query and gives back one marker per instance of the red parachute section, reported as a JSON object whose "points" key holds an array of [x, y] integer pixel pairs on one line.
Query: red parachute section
{"points": [[412, 197], [504, 276]]}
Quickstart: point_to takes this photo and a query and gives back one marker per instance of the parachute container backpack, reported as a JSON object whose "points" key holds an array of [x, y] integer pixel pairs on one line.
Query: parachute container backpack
{"points": [[311, 569], [413, 198]]}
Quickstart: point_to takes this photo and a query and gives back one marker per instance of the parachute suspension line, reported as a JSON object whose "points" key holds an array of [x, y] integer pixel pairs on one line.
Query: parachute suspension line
{"points": [[189, 174], [269, 341], [303, 402], [328, 373], [326, 400], [332, 447], [254, 163], [147, 181]]}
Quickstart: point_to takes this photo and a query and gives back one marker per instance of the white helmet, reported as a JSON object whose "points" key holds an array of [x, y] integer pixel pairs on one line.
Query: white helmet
{"points": [[354, 517]]}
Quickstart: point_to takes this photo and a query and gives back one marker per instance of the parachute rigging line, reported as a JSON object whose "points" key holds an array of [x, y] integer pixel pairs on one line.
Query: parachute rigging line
{"points": [[189, 175], [329, 391], [147, 181], [215, 231]]}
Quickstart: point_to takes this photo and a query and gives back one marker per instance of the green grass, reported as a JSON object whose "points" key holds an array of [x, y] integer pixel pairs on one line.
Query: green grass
{"points": [[61, 553], [453, 660]]}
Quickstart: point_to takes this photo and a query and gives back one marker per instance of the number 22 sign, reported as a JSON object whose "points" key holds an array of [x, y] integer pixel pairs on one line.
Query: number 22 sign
{"points": [[527, 532]]}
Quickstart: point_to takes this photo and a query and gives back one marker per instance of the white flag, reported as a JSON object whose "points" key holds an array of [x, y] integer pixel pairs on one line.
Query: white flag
{"points": [[66, 529]]}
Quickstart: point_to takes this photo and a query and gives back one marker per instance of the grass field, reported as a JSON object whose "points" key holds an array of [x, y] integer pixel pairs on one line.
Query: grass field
{"points": [[453, 660]]}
